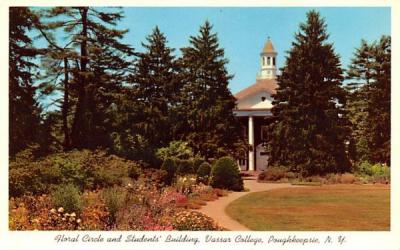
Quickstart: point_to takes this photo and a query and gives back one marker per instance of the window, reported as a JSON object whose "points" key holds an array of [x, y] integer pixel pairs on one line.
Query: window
{"points": [[263, 61], [273, 61], [268, 60]]}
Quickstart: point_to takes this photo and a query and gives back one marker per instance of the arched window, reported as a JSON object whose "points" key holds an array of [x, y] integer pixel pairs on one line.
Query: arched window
{"points": [[269, 61], [263, 61], [273, 61]]}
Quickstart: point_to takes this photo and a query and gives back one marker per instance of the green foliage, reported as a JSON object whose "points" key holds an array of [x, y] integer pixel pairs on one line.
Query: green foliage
{"points": [[26, 127], [204, 172], [184, 167], [84, 169], [170, 167], [364, 167], [176, 149], [206, 115], [197, 161], [185, 184], [114, 198], [368, 102], [68, 197], [309, 131], [225, 174]]}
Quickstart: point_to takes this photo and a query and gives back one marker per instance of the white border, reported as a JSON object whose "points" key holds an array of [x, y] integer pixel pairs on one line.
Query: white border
{"points": [[355, 240]]}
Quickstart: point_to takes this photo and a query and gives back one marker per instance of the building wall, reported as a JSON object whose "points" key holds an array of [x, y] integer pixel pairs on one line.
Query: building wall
{"points": [[255, 102]]}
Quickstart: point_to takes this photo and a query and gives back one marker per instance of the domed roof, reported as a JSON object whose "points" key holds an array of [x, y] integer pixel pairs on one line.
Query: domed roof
{"points": [[268, 47]]}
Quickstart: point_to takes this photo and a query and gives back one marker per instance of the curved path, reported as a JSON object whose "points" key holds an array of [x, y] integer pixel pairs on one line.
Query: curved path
{"points": [[216, 209]]}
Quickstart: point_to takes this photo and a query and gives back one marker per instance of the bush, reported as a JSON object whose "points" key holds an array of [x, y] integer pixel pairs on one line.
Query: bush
{"points": [[193, 221], [197, 161], [85, 169], [185, 184], [364, 168], [155, 177], [175, 149], [170, 167], [114, 199], [273, 174], [225, 174], [68, 197], [184, 167], [203, 172]]}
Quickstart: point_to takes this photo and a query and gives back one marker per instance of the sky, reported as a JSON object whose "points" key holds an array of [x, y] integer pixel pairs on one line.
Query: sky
{"points": [[242, 32]]}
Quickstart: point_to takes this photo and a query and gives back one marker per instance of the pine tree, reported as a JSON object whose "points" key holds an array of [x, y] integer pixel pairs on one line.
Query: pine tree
{"points": [[207, 103], [155, 87], [309, 132], [25, 112], [357, 101], [369, 101], [151, 95], [92, 38]]}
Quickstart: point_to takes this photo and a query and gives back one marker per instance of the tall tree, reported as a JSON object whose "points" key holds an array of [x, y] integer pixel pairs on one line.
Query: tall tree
{"points": [[369, 100], [90, 33], [153, 91], [24, 112], [207, 103], [156, 84], [309, 133]]}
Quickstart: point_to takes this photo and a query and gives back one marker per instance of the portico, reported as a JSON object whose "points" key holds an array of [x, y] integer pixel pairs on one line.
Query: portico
{"points": [[253, 106]]}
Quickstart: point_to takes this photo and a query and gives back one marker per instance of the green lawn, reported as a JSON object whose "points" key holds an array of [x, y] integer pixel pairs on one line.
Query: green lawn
{"points": [[325, 208]]}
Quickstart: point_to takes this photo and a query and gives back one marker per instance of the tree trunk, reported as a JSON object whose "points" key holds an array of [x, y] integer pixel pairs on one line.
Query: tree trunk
{"points": [[65, 107], [79, 132]]}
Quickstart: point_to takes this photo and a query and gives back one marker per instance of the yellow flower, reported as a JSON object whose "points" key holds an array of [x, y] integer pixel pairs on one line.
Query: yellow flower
{"points": [[60, 209]]}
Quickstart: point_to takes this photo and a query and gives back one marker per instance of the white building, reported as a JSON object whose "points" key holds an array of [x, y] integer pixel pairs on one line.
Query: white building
{"points": [[253, 106]]}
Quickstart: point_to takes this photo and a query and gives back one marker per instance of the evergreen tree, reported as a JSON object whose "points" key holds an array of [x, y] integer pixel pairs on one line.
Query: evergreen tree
{"points": [[154, 86], [24, 111], [97, 60], [207, 103], [369, 100], [309, 132]]}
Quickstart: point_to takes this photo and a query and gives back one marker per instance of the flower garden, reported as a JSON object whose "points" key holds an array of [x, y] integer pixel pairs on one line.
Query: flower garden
{"points": [[92, 190]]}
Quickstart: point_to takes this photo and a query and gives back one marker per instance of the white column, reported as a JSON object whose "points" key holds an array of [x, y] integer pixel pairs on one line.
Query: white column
{"points": [[251, 142]]}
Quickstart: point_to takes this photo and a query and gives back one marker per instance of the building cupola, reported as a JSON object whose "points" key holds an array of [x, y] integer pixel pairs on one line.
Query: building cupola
{"points": [[268, 62]]}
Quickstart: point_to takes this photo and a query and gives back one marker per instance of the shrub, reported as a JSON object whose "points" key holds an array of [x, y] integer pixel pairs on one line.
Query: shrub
{"points": [[203, 172], [225, 174], [185, 184], [25, 179], [347, 178], [85, 169], [193, 221], [184, 167], [176, 149], [197, 161], [155, 177], [114, 199], [272, 174], [67, 196], [364, 168], [170, 167]]}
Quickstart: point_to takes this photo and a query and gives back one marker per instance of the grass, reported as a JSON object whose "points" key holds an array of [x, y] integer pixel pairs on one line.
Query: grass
{"points": [[325, 208]]}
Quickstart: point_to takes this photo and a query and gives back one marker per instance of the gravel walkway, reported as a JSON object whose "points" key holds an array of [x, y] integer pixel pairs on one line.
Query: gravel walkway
{"points": [[216, 209]]}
